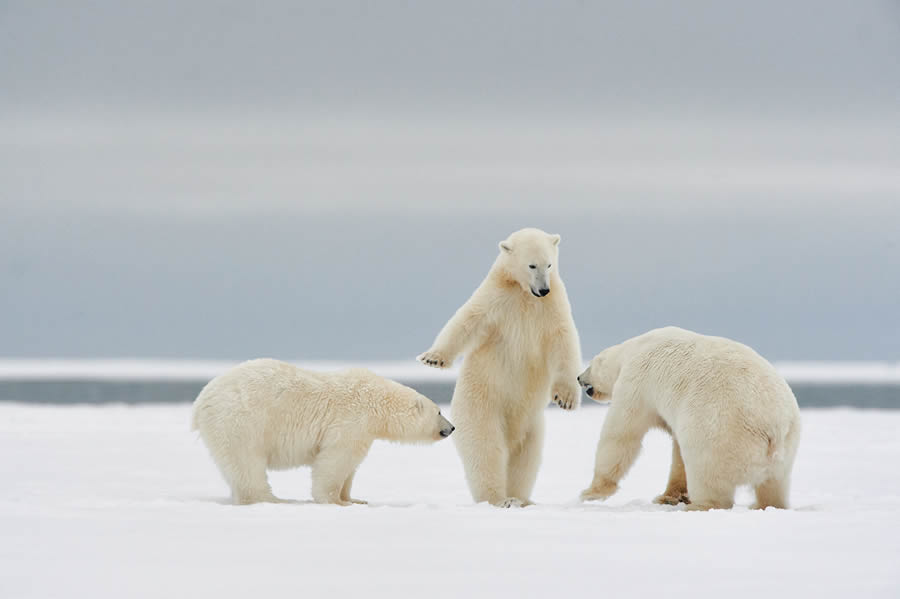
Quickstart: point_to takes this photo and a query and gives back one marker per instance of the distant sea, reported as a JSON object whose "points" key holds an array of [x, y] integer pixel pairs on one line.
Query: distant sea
{"points": [[871, 385]]}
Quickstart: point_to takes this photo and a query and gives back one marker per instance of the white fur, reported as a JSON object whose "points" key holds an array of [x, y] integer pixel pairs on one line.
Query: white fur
{"points": [[733, 419], [522, 350], [269, 415]]}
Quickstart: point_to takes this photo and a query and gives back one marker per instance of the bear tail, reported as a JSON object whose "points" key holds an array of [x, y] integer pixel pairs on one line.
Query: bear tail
{"points": [[781, 446], [772, 452]]}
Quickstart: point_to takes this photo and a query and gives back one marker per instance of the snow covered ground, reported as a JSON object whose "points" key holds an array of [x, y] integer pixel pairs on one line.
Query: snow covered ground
{"points": [[114, 501]]}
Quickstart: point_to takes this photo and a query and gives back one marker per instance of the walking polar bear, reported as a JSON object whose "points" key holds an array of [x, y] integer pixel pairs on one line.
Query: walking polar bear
{"points": [[269, 415], [522, 350], [733, 419]]}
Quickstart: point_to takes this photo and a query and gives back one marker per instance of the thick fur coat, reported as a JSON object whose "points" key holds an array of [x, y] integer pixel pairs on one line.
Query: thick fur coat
{"points": [[270, 415], [521, 351], [733, 419]]}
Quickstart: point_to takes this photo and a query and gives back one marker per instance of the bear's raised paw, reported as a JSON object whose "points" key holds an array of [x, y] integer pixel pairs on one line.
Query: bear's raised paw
{"points": [[434, 359], [566, 395]]}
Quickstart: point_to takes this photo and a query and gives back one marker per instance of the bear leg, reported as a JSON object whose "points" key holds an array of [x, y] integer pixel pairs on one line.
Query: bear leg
{"points": [[345, 491], [711, 486], [618, 448], [524, 463], [248, 480], [771, 493], [676, 490], [330, 470], [485, 458], [774, 491]]}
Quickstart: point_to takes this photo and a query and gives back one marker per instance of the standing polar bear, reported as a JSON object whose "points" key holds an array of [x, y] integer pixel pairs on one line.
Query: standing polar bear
{"points": [[521, 350], [269, 415], [733, 419]]}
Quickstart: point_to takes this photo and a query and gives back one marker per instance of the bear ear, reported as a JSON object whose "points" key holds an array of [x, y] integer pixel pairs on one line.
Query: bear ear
{"points": [[506, 247], [554, 239]]}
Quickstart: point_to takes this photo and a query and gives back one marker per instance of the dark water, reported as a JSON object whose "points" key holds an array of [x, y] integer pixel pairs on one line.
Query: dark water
{"points": [[866, 396]]}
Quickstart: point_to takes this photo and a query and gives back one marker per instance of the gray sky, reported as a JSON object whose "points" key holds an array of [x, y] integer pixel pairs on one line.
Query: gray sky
{"points": [[828, 56], [331, 180]]}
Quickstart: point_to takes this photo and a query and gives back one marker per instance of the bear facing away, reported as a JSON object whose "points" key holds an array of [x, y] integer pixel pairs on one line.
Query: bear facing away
{"points": [[522, 350], [733, 419], [270, 415]]}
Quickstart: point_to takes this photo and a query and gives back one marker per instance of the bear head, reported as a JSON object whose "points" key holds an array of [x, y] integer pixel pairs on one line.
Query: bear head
{"points": [[601, 375], [414, 418], [528, 257]]}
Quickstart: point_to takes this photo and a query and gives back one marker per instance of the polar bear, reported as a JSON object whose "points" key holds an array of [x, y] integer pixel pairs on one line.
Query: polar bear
{"points": [[521, 349], [733, 419], [269, 415]]}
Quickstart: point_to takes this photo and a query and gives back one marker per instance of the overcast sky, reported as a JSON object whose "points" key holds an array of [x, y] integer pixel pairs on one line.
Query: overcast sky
{"points": [[330, 180]]}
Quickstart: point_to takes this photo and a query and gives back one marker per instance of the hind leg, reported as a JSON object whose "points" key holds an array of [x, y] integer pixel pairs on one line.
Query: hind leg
{"points": [[246, 475], [774, 491], [711, 484], [524, 464], [771, 493], [485, 458]]}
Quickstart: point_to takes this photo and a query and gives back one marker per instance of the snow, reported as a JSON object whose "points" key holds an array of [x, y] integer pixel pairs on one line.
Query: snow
{"points": [[409, 370], [117, 501]]}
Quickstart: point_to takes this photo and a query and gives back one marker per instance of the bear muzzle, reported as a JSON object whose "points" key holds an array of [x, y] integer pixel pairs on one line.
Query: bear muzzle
{"points": [[588, 388]]}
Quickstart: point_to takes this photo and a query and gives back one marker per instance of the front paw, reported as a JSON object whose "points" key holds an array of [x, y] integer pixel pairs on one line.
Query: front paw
{"points": [[435, 359], [599, 491], [566, 395]]}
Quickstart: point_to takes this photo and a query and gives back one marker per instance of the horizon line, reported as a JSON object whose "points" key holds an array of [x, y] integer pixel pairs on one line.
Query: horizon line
{"points": [[153, 369]]}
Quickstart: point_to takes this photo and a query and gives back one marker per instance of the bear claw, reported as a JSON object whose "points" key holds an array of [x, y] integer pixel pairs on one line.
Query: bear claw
{"points": [[565, 398], [433, 359]]}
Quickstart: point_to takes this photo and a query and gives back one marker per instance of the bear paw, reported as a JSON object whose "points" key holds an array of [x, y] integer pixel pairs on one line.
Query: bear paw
{"points": [[671, 499], [512, 502], [566, 395], [434, 359], [599, 491]]}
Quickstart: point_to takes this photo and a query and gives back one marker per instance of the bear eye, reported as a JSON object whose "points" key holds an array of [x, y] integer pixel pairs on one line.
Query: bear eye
{"points": [[532, 266], [549, 265]]}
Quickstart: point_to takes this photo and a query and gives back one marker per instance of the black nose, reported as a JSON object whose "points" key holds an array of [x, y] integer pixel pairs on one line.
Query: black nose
{"points": [[589, 391], [543, 292], [446, 432]]}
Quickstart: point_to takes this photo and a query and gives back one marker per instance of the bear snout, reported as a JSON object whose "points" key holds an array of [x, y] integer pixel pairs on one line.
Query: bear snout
{"points": [[589, 390], [542, 292], [445, 432]]}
